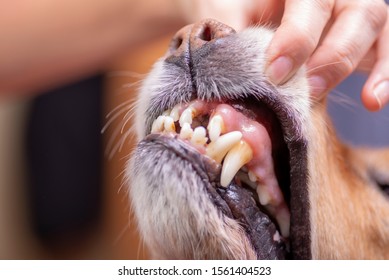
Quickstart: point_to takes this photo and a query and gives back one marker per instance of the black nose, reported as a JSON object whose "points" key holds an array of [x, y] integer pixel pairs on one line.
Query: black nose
{"points": [[192, 37]]}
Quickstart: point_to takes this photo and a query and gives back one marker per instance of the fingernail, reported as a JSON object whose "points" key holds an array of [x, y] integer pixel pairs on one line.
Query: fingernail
{"points": [[279, 70], [381, 93], [318, 86]]}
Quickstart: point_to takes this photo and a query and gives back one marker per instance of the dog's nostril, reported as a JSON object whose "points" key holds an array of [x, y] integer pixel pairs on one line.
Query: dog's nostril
{"points": [[176, 43], [207, 31], [206, 34], [192, 37]]}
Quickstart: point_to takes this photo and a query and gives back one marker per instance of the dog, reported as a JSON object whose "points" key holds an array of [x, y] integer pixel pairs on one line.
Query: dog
{"points": [[231, 166]]}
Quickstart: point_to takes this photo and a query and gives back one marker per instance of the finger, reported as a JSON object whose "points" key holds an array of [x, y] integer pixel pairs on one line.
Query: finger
{"points": [[348, 40], [375, 93], [297, 37]]}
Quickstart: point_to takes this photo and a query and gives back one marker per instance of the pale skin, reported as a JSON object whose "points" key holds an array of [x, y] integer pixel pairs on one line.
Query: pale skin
{"points": [[52, 42]]}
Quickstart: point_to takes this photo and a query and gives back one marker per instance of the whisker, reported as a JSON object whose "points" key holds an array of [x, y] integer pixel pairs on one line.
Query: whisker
{"points": [[322, 66], [127, 117], [110, 144], [367, 69], [262, 15], [344, 100], [130, 85], [125, 73], [115, 116], [119, 144], [118, 107], [129, 108], [121, 234], [131, 132]]}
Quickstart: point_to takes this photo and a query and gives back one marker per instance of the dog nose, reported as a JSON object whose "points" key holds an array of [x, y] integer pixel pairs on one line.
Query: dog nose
{"points": [[192, 37]]}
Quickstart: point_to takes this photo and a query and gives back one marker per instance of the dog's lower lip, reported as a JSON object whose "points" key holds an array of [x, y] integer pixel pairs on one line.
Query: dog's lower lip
{"points": [[252, 139], [234, 202]]}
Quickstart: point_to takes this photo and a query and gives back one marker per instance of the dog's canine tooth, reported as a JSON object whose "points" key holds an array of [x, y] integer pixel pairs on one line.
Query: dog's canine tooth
{"points": [[175, 113], [169, 124], [186, 131], [215, 127], [263, 195], [283, 220], [238, 156], [158, 124], [187, 116], [252, 176], [219, 148], [199, 136]]}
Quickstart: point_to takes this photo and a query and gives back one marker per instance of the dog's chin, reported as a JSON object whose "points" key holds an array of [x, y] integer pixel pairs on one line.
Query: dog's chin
{"points": [[236, 201], [273, 230]]}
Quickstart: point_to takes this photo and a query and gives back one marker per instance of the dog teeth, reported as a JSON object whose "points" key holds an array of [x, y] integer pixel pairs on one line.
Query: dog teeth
{"points": [[252, 176], [243, 177], [283, 220], [263, 195], [186, 131], [187, 116], [158, 124], [199, 136], [175, 113], [238, 156], [169, 124], [230, 147], [215, 127], [219, 148]]}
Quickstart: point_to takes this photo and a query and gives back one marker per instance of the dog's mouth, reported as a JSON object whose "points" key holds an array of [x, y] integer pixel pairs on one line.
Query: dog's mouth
{"points": [[239, 147]]}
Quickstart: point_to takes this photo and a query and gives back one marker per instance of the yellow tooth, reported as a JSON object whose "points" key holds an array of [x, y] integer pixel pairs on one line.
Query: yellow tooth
{"points": [[283, 220], [187, 116], [252, 176], [199, 136], [238, 156], [158, 124], [263, 195], [175, 112], [186, 131], [215, 127], [169, 124], [219, 148]]}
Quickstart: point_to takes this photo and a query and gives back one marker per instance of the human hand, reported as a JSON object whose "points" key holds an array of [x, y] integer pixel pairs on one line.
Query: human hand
{"points": [[332, 37]]}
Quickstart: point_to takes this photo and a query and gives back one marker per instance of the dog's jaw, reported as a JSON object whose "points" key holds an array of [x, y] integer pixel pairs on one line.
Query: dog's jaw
{"points": [[162, 90]]}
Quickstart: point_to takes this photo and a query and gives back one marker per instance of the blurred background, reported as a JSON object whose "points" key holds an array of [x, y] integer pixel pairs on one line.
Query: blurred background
{"points": [[61, 179]]}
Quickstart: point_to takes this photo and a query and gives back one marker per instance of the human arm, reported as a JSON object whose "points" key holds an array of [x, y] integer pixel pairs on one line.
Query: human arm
{"points": [[45, 43]]}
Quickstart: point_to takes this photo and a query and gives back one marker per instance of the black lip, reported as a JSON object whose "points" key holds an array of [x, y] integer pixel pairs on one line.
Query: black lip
{"points": [[259, 227], [234, 202]]}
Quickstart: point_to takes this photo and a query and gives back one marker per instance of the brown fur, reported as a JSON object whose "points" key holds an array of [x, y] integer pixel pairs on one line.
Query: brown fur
{"points": [[344, 198], [348, 212]]}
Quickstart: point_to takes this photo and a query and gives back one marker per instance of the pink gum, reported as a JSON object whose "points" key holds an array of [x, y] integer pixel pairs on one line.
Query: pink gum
{"points": [[256, 135]]}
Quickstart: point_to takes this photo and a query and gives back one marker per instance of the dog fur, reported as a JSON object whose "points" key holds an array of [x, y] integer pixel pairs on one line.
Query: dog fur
{"points": [[347, 210]]}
